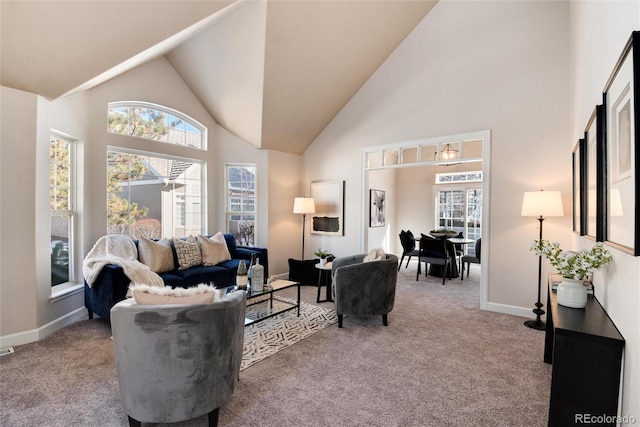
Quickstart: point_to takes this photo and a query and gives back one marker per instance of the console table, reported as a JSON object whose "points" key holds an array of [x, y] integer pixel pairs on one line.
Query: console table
{"points": [[585, 350]]}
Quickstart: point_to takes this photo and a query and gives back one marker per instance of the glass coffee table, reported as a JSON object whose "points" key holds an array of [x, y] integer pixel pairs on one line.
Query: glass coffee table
{"points": [[264, 304]]}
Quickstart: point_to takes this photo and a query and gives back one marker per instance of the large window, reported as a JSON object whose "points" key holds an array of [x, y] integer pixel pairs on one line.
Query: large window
{"points": [[155, 122], [61, 201], [460, 209], [153, 195], [241, 203]]}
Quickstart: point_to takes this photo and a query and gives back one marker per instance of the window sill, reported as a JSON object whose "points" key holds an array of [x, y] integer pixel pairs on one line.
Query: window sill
{"points": [[65, 291]]}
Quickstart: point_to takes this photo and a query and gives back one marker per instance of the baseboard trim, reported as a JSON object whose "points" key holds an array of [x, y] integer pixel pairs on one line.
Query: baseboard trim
{"points": [[34, 335], [510, 309]]}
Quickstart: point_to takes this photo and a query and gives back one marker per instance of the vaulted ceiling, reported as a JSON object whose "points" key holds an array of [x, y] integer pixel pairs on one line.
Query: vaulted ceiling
{"points": [[272, 72]]}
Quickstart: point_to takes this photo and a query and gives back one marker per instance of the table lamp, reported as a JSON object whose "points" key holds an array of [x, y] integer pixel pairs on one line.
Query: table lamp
{"points": [[541, 204]]}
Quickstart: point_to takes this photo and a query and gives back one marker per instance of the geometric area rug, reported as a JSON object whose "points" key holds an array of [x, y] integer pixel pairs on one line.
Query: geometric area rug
{"points": [[266, 338]]}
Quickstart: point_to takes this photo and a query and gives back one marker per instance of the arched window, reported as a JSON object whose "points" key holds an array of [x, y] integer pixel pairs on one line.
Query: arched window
{"points": [[157, 123], [153, 193]]}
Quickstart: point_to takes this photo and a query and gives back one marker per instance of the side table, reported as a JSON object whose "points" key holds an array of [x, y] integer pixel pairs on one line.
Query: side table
{"points": [[324, 278]]}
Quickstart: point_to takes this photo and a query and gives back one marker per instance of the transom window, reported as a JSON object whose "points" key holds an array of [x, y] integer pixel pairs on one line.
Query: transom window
{"points": [[456, 177], [157, 123]]}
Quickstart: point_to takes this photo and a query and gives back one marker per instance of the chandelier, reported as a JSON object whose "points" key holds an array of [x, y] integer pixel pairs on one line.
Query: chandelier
{"points": [[447, 153]]}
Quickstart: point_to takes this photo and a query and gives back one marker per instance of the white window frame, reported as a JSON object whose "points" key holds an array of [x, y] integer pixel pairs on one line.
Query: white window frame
{"points": [[202, 188], [459, 186], [148, 105], [70, 212], [468, 177], [229, 212]]}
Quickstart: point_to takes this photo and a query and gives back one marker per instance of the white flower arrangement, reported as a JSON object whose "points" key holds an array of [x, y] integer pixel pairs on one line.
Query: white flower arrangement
{"points": [[572, 264]]}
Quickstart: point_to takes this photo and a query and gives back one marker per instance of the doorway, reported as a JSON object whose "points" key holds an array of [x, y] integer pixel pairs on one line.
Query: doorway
{"points": [[409, 158]]}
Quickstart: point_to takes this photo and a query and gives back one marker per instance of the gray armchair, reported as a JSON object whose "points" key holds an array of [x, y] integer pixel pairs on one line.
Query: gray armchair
{"points": [[177, 362], [364, 288]]}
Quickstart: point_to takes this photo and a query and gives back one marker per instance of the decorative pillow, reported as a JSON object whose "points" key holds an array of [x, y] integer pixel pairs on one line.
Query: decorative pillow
{"points": [[188, 252], [375, 255], [154, 295], [158, 256], [214, 249]]}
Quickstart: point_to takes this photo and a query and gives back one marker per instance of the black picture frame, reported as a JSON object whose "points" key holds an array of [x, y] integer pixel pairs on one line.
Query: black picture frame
{"points": [[377, 207], [621, 100], [594, 202], [578, 167]]}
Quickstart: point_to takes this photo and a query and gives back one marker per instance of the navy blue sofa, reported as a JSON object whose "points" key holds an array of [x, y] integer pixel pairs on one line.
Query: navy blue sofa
{"points": [[111, 284]]}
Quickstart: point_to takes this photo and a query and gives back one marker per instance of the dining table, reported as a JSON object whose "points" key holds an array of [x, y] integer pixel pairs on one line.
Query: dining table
{"points": [[438, 270]]}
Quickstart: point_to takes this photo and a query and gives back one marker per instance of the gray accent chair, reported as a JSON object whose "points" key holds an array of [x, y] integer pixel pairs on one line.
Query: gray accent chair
{"points": [[177, 362], [364, 288]]}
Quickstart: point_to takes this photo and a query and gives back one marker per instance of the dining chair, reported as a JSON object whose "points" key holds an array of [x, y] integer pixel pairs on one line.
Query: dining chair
{"points": [[434, 251], [459, 249], [408, 243], [476, 259]]}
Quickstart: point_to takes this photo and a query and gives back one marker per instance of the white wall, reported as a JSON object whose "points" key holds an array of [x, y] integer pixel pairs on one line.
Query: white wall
{"points": [[383, 237], [18, 296], [505, 67], [599, 31], [469, 66], [285, 227]]}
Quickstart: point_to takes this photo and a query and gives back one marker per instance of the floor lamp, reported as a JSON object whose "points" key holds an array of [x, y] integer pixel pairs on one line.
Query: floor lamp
{"points": [[541, 204], [303, 205]]}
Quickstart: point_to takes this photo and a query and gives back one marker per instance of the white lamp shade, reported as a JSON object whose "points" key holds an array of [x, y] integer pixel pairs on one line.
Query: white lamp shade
{"points": [[542, 204], [304, 205]]}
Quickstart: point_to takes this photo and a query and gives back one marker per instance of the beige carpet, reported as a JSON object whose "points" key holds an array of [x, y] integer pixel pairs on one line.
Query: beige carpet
{"points": [[440, 362]]}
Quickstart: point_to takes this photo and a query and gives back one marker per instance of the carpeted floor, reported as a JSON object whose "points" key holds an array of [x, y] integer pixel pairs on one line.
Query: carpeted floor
{"points": [[440, 362]]}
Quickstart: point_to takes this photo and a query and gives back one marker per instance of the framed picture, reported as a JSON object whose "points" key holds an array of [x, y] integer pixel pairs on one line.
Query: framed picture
{"points": [[622, 224], [376, 208], [329, 200], [578, 158], [593, 186]]}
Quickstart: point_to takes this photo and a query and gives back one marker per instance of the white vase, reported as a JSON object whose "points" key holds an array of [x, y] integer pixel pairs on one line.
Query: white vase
{"points": [[572, 293]]}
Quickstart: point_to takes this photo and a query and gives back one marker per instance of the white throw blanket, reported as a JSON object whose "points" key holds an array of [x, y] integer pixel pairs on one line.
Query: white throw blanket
{"points": [[375, 255], [119, 250]]}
